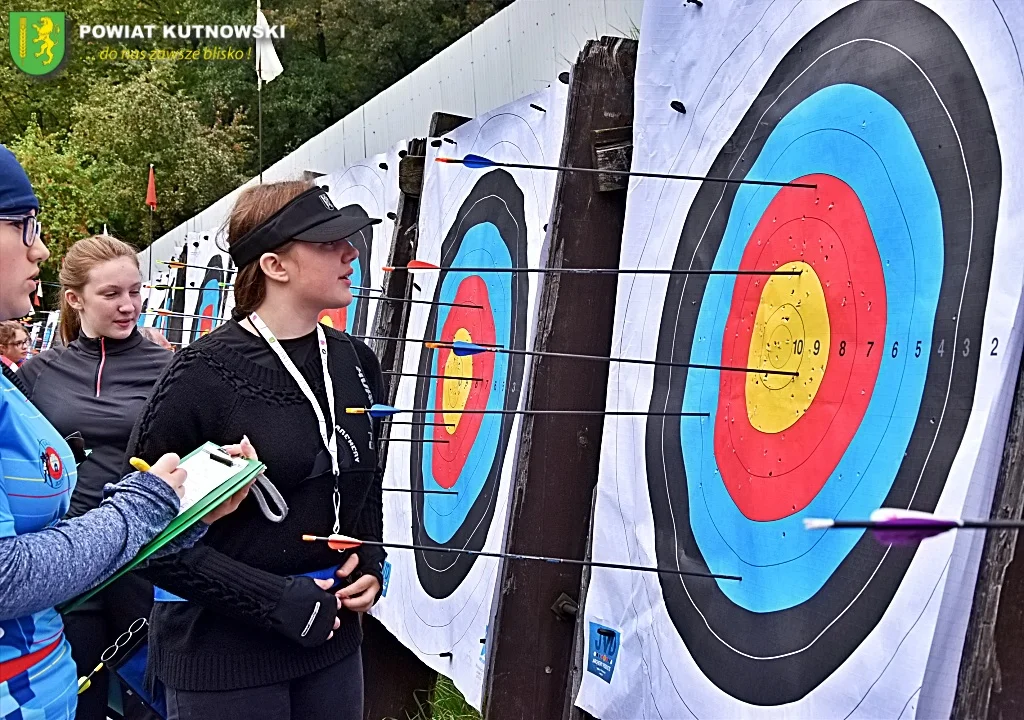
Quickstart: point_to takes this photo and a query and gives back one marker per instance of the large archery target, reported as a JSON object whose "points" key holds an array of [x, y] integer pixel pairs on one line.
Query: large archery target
{"points": [[369, 187], [210, 301], [353, 319], [881, 105], [489, 230]]}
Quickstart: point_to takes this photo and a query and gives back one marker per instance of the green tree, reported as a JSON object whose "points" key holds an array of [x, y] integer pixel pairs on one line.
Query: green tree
{"points": [[97, 173], [88, 134]]}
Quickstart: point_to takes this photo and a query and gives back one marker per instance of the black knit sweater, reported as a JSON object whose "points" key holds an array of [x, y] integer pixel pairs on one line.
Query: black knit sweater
{"points": [[98, 387], [249, 621]]}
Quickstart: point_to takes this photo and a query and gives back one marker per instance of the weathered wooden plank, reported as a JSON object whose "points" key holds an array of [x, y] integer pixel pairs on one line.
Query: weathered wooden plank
{"points": [[411, 167], [410, 174], [613, 150], [991, 679], [531, 647]]}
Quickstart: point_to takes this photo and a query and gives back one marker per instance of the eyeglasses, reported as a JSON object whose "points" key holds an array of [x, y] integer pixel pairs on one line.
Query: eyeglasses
{"points": [[31, 229]]}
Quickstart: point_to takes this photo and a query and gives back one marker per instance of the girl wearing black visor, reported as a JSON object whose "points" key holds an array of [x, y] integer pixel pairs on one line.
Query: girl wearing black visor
{"points": [[250, 623]]}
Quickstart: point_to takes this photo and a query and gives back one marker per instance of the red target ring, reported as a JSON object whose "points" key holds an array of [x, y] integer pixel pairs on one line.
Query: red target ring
{"points": [[449, 458], [771, 475], [336, 318]]}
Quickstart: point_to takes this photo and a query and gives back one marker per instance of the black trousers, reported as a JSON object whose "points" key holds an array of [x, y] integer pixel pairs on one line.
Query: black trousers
{"points": [[334, 693], [94, 626]]}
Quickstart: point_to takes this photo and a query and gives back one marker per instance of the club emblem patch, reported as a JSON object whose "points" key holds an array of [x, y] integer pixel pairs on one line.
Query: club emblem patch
{"points": [[52, 466]]}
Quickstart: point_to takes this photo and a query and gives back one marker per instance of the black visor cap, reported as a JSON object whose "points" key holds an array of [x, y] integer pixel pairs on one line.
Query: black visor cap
{"points": [[311, 217]]}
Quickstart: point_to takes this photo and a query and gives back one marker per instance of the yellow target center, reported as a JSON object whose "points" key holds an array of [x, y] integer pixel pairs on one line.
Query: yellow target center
{"points": [[456, 385], [791, 334]]}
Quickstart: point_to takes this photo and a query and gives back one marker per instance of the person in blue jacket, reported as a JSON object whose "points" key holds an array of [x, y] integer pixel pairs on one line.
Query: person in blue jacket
{"points": [[45, 560]]}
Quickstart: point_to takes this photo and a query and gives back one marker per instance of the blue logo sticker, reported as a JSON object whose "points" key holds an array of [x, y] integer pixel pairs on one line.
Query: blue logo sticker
{"points": [[604, 648], [386, 575]]}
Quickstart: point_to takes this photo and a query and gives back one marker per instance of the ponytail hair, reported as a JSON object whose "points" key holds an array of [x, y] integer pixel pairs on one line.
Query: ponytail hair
{"points": [[79, 261]]}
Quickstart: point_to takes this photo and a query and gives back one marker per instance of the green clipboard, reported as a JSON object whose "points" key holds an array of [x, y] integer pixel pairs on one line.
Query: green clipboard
{"points": [[209, 483]]}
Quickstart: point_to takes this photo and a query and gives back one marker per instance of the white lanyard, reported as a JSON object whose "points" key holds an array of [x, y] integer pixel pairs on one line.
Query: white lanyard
{"points": [[327, 431]]}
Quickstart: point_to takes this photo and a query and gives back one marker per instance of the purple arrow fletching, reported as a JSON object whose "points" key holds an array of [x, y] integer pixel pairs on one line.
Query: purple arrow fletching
{"points": [[461, 348], [477, 161], [910, 530]]}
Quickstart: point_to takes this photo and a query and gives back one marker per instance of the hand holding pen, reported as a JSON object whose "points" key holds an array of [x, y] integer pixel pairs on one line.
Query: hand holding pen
{"points": [[167, 469]]}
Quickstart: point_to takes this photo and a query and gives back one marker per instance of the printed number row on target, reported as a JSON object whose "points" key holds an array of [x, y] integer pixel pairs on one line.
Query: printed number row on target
{"points": [[798, 347]]}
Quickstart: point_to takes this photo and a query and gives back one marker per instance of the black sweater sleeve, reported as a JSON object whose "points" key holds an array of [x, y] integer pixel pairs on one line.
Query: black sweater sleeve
{"points": [[183, 412], [370, 525]]}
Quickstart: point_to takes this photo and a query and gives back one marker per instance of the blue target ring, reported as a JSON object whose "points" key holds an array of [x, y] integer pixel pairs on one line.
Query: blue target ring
{"points": [[353, 309], [211, 297], [482, 246], [488, 230], [857, 136]]}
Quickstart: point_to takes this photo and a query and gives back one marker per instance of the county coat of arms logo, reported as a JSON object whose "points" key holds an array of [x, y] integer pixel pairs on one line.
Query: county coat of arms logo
{"points": [[38, 41]]}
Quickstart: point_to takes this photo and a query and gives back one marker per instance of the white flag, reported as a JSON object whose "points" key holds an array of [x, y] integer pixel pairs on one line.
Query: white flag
{"points": [[268, 66]]}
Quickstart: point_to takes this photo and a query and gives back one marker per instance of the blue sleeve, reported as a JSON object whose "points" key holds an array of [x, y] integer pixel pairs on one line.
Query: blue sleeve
{"points": [[41, 569]]}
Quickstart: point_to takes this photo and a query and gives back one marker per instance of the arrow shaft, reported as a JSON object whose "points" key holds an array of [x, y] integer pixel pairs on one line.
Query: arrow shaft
{"points": [[417, 340], [891, 526], [222, 286], [421, 492], [639, 361], [601, 271], [414, 440], [909, 524], [544, 558], [185, 315], [553, 412], [428, 375], [417, 423], [661, 176], [424, 302], [175, 265], [601, 358]]}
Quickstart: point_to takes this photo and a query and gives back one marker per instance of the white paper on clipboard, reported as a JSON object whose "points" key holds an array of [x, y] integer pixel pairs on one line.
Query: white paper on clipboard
{"points": [[206, 475]]}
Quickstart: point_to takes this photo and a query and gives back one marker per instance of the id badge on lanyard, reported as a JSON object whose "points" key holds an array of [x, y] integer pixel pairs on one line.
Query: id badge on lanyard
{"points": [[327, 431]]}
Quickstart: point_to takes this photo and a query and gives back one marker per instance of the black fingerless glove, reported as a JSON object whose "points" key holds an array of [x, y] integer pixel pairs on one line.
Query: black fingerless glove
{"points": [[371, 562], [305, 613]]}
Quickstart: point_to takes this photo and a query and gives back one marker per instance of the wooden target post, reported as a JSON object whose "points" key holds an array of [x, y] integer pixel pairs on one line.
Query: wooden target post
{"points": [[531, 640], [991, 679]]}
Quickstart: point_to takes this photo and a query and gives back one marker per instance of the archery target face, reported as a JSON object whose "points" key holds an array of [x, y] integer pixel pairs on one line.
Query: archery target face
{"points": [[460, 466], [369, 187], [880, 107], [468, 450], [885, 250], [201, 291]]}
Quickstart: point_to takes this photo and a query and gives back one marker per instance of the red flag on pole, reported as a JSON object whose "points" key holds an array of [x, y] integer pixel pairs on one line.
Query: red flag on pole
{"points": [[151, 192]]}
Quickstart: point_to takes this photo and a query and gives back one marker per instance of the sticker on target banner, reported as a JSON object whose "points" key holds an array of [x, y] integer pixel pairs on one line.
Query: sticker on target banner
{"points": [[604, 649]]}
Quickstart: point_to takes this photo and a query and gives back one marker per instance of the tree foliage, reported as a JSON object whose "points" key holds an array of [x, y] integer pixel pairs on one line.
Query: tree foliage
{"points": [[88, 135]]}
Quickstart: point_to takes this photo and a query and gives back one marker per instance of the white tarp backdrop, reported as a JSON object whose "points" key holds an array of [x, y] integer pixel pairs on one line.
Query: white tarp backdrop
{"points": [[902, 328]]}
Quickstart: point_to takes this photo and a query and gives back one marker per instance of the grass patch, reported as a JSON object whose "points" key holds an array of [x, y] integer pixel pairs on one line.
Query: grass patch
{"points": [[448, 703]]}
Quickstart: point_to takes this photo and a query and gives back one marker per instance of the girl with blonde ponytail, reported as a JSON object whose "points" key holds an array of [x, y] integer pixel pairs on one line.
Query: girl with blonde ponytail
{"points": [[97, 384], [45, 558]]}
